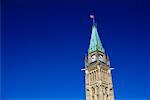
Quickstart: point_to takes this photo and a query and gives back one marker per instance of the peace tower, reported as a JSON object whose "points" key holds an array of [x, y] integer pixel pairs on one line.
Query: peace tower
{"points": [[98, 79]]}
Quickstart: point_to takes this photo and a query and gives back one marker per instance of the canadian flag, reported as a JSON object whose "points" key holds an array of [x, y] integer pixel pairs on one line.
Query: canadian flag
{"points": [[92, 16]]}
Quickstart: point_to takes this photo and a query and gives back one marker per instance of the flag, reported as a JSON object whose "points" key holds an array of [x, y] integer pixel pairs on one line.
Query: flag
{"points": [[92, 16]]}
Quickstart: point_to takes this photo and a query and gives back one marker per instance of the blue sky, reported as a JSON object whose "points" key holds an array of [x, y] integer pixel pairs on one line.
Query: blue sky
{"points": [[44, 44]]}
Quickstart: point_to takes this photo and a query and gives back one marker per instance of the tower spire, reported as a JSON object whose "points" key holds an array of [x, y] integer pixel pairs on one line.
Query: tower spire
{"points": [[95, 42]]}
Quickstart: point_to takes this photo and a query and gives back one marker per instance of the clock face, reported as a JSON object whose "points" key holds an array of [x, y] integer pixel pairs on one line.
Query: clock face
{"points": [[100, 57], [93, 58]]}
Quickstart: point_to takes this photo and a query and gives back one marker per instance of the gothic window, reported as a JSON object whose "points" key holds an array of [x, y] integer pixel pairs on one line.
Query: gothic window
{"points": [[93, 92], [96, 74], [106, 90], [97, 96], [92, 76], [107, 97], [97, 89]]}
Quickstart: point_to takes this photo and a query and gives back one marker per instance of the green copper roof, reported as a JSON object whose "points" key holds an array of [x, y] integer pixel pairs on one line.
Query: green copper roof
{"points": [[95, 42]]}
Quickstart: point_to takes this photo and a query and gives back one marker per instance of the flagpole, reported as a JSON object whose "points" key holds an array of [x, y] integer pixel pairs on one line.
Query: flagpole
{"points": [[93, 18]]}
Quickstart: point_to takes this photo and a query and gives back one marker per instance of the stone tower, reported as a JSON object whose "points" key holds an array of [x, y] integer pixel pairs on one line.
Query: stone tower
{"points": [[98, 79]]}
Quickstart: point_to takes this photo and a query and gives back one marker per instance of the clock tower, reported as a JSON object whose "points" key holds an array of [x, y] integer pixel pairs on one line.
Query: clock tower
{"points": [[98, 79]]}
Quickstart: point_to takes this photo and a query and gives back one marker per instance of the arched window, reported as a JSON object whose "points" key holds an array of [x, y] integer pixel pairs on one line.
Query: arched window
{"points": [[94, 75], [97, 90], [97, 77], [91, 76], [93, 93]]}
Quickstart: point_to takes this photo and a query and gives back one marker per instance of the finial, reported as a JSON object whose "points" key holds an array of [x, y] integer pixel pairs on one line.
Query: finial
{"points": [[93, 18]]}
